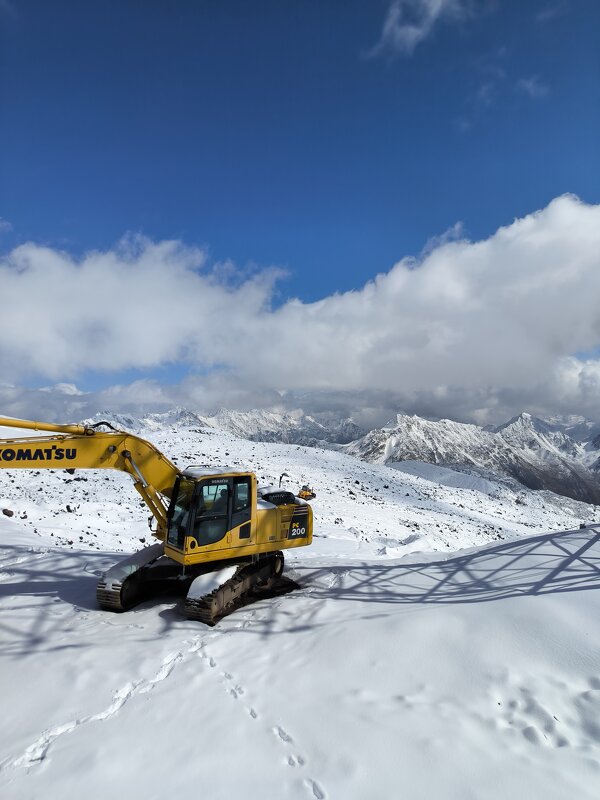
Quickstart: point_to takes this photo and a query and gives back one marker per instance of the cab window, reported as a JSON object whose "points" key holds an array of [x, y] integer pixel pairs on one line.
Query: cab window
{"points": [[241, 511], [212, 511], [179, 512]]}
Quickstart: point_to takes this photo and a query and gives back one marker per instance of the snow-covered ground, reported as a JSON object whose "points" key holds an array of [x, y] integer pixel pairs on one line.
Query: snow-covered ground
{"points": [[445, 643]]}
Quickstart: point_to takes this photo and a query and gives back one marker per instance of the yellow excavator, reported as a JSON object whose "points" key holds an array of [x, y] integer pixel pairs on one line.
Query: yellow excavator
{"points": [[221, 536]]}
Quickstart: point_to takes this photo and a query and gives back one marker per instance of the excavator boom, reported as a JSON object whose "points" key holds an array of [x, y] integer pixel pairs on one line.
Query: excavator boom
{"points": [[86, 447]]}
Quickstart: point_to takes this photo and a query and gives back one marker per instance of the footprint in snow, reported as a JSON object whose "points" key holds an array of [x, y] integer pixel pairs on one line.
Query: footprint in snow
{"points": [[285, 737], [294, 760], [316, 790]]}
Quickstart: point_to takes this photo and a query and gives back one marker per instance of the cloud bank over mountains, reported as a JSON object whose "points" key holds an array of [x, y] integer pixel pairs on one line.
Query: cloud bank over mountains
{"points": [[475, 331]]}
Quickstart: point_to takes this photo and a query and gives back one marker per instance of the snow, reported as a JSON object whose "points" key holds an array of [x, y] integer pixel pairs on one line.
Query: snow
{"points": [[447, 477], [199, 472], [206, 584], [464, 663], [126, 566]]}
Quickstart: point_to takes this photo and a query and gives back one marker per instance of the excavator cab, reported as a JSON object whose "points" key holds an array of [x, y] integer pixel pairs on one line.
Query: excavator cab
{"points": [[216, 515], [223, 517], [208, 511]]}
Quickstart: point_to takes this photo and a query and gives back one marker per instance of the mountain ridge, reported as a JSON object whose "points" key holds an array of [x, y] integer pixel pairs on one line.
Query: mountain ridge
{"points": [[540, 454]]}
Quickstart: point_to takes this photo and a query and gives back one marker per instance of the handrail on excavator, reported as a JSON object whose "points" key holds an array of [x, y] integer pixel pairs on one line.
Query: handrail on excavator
{"points": [[9, 422]]}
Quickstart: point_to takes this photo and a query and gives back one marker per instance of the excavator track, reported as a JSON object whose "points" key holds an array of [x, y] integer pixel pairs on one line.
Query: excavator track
{"points": [[134, 579], [120, 596], [251, 581]]}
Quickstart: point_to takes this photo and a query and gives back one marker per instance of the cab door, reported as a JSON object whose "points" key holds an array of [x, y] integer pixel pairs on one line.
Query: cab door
{"points": [[241, 510], [223, 513], [212, 515]]}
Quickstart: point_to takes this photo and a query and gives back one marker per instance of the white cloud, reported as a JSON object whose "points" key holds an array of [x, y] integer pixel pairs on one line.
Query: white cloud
{"points": [[551, 12], [469, 330], [5, 225], [139, 306], [533, 87], [410, 22], [488, 75], [451, 234]]}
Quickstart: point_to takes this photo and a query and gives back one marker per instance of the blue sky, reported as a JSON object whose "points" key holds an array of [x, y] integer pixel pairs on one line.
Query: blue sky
{"points": [[304, 135], [263, 131]]}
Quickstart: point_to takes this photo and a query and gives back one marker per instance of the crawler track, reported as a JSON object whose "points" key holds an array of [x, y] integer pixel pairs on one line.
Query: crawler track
{"points": [[120, 596], [252, 581]]}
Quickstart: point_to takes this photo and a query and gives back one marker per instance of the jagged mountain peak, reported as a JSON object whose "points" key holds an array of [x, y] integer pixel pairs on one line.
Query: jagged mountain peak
{"points": [[574, 426], [524, 421], [526, 448], [527, 431]]}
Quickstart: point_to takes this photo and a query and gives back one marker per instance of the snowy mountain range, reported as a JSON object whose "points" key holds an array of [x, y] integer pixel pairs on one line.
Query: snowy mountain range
{"points": [[257, 425], [561, 454], [539, 454]]}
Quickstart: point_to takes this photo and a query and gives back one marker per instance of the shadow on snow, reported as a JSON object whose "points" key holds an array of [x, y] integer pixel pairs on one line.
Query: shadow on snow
{"points": [[551, 563]]}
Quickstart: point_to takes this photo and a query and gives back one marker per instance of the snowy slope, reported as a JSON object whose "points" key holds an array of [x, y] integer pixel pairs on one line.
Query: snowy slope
{"points": [[443, 644]]}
